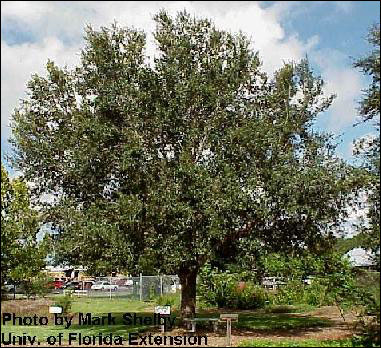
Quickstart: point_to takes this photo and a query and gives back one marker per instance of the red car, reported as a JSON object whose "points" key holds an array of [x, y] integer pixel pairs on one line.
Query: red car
{"points": [[59, 283]]}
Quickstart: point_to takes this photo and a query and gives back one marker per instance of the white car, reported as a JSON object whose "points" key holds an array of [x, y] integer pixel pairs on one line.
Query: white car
{"points": [[104, 286], [9, 287]]}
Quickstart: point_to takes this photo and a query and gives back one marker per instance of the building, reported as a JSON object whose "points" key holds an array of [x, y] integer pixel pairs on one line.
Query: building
{"points": [[66, 273], [361, 258]]}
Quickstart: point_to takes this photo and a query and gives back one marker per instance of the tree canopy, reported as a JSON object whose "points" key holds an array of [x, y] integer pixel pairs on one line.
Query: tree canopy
{"points": [[22, 256], [182, 158]]}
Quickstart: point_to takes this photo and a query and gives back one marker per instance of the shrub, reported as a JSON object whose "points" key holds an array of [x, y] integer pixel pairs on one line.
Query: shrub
{"points": [[215, 287], [251, 297], [40, 285], [64, 302], [317, 294], [222, 289], [280, 309], [289, 294], [368, 326], [295, 292]]}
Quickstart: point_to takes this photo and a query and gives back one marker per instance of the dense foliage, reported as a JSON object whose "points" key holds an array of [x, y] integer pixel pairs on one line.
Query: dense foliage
{"points": [[331, 281], [22, 256], [182, 159], [222, 289]]}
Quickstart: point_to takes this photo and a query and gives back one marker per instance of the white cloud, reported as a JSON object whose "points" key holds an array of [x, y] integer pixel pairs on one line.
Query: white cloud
{"points": [[20, 62], [342, 80], [344, 6], [357, 215], [27, 11]]}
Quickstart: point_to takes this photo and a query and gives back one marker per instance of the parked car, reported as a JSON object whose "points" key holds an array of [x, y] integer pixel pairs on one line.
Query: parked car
{"points": [[104, 286], [129, 282], [17, 288], [59, 283], [73, 285], [9, 287], [87, 284]]}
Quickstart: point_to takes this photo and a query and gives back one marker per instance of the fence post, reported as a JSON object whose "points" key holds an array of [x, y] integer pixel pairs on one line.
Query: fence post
{"points": [[161, 285], [110, 287], [141, 287]]}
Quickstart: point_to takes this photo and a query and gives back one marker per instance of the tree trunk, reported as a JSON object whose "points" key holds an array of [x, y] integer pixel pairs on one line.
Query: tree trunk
{"points": [[188, 292]]}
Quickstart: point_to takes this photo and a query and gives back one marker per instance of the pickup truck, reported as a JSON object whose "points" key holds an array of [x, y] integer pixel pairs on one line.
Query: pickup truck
{"points": [[104, 286]]}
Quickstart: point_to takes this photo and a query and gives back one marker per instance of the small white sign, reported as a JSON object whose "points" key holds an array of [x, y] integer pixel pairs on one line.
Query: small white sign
{"points": [[129, 282], [164, 310], [55, 310]]}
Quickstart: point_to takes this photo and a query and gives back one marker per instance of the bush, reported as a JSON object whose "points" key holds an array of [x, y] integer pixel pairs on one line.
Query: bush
{"points": [[317, 294], [251, 297], [214, 287], [295, 292], [289, 294], [40, 285], [222, 289], [276, 309], [64, 302]]}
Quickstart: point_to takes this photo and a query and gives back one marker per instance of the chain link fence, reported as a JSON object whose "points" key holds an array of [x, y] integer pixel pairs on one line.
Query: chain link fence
{"points": [[143, 288]]}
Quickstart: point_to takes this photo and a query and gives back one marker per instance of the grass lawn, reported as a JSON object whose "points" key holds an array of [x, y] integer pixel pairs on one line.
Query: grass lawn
{"points": [[279, 321], [267, 320], [275, 318], [97, 307]]}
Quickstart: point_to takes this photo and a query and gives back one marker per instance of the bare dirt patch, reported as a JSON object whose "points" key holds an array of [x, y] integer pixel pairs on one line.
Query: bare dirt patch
{"points": [[36, 306]]}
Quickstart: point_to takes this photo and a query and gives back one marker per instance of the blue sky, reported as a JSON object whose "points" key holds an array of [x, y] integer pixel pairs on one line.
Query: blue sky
{"points": [[342, 26], [329, 32]]}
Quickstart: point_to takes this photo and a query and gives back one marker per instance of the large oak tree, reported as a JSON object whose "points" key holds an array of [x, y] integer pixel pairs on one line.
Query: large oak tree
{"points": [[173, 160]]}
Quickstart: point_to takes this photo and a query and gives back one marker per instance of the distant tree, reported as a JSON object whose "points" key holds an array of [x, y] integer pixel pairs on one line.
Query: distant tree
{"points": [[368, 149], [22, 257], [344, 245], [168, 164]]}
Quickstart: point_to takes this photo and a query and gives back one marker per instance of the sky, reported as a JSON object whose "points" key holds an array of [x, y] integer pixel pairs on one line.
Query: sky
{"points": [[330, 33]]}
